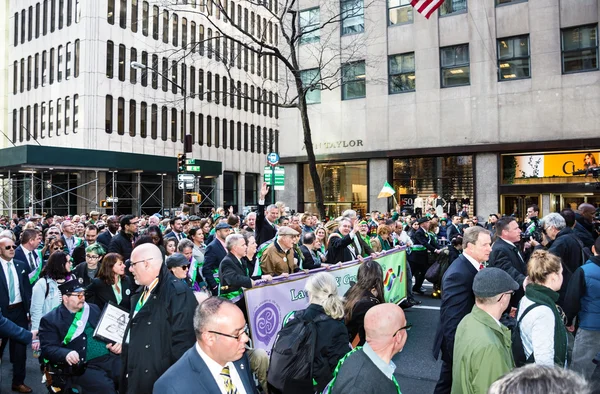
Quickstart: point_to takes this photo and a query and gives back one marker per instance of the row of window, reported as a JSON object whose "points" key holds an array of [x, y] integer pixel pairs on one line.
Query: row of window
{"points": [[212, 87], [32, 20], [252, 23], [28, 74], [51, 119], [579, 53], [227, 134]]}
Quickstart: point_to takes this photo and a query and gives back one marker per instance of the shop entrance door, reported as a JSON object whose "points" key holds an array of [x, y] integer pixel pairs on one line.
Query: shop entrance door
{"points": [[573, 200], [516, 205]]}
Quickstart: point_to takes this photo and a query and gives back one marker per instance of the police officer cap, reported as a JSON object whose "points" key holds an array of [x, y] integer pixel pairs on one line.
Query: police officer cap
{"points": [[71, 286], [222, 226], [177, 260], [423, 219], [490, 282]]}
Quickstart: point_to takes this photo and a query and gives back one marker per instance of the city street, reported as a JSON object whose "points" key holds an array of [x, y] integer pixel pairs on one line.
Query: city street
{"points": [[417, 371]]}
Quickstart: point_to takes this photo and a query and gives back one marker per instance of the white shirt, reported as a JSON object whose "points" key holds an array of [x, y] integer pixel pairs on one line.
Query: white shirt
{"points": [[215, 370], [33, 257], [15, 276], [475, 263]]}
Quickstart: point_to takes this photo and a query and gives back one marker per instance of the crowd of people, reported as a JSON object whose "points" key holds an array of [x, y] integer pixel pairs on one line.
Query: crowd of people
{"points": [[181, 282]]}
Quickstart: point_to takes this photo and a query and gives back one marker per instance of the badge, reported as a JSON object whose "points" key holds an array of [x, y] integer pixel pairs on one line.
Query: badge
{"points": [[80, 281], [127, 291], [79, 323], [241, 366]]}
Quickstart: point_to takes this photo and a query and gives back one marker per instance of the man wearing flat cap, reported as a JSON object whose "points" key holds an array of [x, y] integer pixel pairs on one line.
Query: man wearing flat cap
{"points": [[423, 244], [482, 349], [214, 254], [278, 258]]}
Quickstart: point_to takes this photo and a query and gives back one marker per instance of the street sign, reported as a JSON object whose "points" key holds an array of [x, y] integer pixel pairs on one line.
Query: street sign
{"points": [[186, 177], [191, 166], [273, 158], [182, 185], [112, 199], [279, 177]]}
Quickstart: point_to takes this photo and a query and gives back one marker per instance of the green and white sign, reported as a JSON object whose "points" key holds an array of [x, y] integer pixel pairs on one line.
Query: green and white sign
{"points": [[279, 177]]}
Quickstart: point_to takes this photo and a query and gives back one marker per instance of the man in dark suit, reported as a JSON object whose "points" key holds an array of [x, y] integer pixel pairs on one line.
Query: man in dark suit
{"points": [[423, 245], [233, 272], [15, 299], [112, 228], [506, 255], [458, 298], [90, 235], [265, 219], [10, 330], [342, 247], [213, 255], [454, 228], [28, 252], [122, 243], [176, 229], [216, 363]]}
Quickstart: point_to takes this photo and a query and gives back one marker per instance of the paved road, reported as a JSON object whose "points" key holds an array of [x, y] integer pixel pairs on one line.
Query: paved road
{"points": [[417, 370]]}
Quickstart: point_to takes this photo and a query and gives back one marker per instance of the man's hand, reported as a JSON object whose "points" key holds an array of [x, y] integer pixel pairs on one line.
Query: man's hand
{"points": [[571, 328], [285, 275], [264, 189], [268, 278], [356, 227], [115, 348], [72, 358], [513, 313], [438, 251]]}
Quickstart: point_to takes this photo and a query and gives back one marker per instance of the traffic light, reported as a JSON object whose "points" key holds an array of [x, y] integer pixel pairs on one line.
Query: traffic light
{"points": [[181, 162]]}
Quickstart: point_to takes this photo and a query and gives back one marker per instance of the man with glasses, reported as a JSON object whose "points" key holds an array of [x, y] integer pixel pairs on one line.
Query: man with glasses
{"points": [[15, 299], [90, 236], [217, 362], [122, 243], [369, 369], [74, 355], [482, 351], [160, 327]]}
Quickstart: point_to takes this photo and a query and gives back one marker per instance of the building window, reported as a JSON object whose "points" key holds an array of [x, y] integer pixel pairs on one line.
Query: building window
{"points": [[134, 16], [145, 71], [192, 81], [121, 62], [121, 116], [580, 49], [184, 33], [52, 16], [164, 123], [175, 29], [44, 68], [154, 74], [51, 118], [154, 122], [67, 115], [28, 123], [110, 61], [76, 73], [353, 80], [30, 23], [77, 11], [23, 21], [310, 26], [230, 189], [456, 70], [145, 18], [61, 13], [69, 49], [155, 22], [165, 72], [192, 130], [59, 116], [399, 12], [502, 2], [201, 39], [200, 129], [52, 59], [217, 133], [59, 71], [34, 131], [69, 12], [110, 12], [264, 131], [402, 73], [311, 83], [45, 18], [258, 140], [15, 77], [173, 124], [245, 137], [108, 115], [37, 20], [29, 65], [36, 72], [75, 113], [42, 120], [165, 27], [352, 15], [16, 32], [208, 130], [224, 133], [239, 135], [252, 138], [453, 7], [174, 76], [513, 58], [132, 70], [132, 116], [209, 86], [201, 84], [123, 14]]}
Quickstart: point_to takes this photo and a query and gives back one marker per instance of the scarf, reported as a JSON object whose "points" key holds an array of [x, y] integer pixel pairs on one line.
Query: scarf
{"points": [[545, 296]]}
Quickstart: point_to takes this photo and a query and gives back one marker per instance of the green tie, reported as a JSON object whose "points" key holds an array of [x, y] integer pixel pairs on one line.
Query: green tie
{"points": [[229, 387], [11, 283]]}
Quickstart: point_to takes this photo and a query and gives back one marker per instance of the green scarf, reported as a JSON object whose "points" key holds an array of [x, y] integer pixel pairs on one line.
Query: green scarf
{"points": [[545, 296], [385, 245]]}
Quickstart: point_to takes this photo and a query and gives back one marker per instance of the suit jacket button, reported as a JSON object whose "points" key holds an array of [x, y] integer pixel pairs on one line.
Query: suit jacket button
{"points": [[147, 346], [146, 371], [149, 322]]}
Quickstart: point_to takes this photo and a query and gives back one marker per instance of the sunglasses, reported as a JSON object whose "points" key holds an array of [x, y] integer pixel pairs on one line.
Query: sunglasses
{"points": [[185, 267], [56, 248], [9, 247], [81, 296], [93, 257]]}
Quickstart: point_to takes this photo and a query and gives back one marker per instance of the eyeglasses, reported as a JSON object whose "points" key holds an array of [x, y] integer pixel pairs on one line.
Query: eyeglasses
{"points": [[81, 296], [53, 233], [503, 294], [133, 263], [236, 337], [56, 248], [406, 327], [91, 256], [185, 267], [9, 247]]}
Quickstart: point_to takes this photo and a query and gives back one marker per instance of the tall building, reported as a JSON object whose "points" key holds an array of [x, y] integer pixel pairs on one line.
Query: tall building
{"points": [[85, 128], [490, 104]]}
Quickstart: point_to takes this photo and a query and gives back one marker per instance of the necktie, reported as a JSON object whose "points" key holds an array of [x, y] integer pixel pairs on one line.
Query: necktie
{"points": [[11, 283], [481, 266], [519, 254], [229, 387], [31, 261]]}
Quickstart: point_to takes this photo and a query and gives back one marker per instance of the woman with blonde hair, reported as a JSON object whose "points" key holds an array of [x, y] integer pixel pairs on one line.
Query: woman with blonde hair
{"points": [[543, 330], [382, 241]]}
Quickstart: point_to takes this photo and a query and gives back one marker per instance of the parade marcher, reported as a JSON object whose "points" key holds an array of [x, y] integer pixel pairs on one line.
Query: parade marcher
{"points": [[278, 257], [90, 237], [458, 298], [122, 243], [311, 251], [160, 327], [155, 233], [383, 240], [369, 369], [179, 265], [419, 256], [454, 229], [111, 284], [362, 248], [28, 252], [68, 236], [170, 247], [66, 339], [216, 363], [537, 379], [342, 247], [543, 331], [87, 271], [215, 252], [482, 351], [13, 332], [112, 229], [176, 229]]}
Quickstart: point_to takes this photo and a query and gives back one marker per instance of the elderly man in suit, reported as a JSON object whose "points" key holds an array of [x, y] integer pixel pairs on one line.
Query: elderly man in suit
{"points": [[265, 228], [217, 362], [458, 298], [15, 299], [213, 255]]}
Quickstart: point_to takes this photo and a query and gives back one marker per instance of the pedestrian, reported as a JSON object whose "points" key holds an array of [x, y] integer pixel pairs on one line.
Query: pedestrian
{"points": [[458, 298], [160, 326], [369, 369], [111, 284], [482, 351], [216, 363], [538, 379]]}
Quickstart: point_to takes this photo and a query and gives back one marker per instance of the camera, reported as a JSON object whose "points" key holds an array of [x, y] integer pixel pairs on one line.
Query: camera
{"points": [[534, 231]]}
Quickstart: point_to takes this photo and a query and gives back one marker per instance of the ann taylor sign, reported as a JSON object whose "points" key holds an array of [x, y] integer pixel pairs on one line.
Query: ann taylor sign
{"points": [[336, 144]]}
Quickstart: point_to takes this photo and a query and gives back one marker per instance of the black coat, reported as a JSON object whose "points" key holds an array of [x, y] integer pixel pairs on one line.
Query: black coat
{"points": [[356, 325], [264, 231], [10, 330], [122, 244], [338, 251], [457, 301], [100, 293], [309, 262], [159, 333], [213, 255], [81, 274], [506, 257], [566, 246], [104, 239], [452, 232], [581, 233], [234, 274]]}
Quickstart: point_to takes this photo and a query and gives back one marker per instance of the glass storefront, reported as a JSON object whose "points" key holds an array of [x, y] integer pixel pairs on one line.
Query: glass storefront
{"points": [[344, 187], [443, 183]]}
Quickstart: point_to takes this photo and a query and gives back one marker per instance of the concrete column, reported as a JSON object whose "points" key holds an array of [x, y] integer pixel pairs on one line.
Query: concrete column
{"points": [[486, 181], [378, 175], [290, 193], [241, 192], [546, 209]]}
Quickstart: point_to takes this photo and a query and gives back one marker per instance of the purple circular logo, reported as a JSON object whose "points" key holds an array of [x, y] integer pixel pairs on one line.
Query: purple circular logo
{"points": [[266, 322]]}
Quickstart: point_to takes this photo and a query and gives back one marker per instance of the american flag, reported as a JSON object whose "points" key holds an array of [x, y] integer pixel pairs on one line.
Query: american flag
{"points": [[426, 7]]}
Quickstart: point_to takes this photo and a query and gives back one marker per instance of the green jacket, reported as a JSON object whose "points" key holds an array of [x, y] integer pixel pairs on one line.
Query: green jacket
{"points": [[482, 353]]}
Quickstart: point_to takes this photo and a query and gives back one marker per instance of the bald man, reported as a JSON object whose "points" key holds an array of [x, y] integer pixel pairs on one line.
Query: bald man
{"points": [[586, 218], [369, 369], [160, 328]]}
